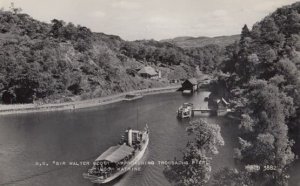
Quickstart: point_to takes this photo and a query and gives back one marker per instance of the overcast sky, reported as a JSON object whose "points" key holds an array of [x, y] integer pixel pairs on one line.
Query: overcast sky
{"points": [[153, 19]]}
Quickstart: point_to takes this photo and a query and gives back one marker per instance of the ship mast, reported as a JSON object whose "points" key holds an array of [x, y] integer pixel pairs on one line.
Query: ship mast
{"points": [[137, 116]]}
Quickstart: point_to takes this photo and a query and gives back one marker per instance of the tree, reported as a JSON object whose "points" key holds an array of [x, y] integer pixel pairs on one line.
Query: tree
{"points": [[232, 177], [265, 133], [245, 32], [57, 26], [247, 123], [14, 9], [197, 167], [207, 136]]}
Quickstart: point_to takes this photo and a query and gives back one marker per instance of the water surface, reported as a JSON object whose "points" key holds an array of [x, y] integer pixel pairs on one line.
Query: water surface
{"points": [[82, 135]]}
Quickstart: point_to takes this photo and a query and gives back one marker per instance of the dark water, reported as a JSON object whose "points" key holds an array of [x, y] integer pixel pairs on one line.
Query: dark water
{"points": [[82, 135]]}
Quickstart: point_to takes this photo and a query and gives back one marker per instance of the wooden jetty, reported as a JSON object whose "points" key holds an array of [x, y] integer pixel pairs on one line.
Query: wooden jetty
{"points": [[188, 112], [219, 107], [215, 112], [204, 111]]}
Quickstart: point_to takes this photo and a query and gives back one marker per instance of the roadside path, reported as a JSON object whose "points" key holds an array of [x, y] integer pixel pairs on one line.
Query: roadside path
{"points": [[28, 108]]}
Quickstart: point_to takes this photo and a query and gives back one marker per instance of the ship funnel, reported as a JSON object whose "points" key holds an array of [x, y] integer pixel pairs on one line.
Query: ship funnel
{"points": [[130, 137]]}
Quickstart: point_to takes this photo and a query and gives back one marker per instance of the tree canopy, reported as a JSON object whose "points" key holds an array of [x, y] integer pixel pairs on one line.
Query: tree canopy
{"points": [[262, 83], [197, 155]]}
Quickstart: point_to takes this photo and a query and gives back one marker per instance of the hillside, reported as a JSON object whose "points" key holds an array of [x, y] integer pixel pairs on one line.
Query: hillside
{"points": [[209, 53], [193, 42], [262, 81], [61, 61]]}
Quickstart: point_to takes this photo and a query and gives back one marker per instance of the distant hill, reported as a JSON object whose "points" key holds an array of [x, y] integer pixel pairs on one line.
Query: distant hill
{"points": [[192, 42], [208, 52]]}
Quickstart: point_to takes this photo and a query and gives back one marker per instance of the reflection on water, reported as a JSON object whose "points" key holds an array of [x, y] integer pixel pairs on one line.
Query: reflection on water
{"points": [[82, 135]]}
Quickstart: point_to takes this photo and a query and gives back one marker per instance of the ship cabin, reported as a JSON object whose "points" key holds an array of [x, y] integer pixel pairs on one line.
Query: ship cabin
{"points": [[133, 138], [113, 158]]}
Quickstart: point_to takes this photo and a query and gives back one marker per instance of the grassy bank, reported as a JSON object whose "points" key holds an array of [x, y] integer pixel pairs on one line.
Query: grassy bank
{"points": [[29, 108]]}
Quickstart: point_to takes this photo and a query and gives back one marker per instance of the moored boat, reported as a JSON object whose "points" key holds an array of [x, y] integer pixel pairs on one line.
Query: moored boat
{"points": [[118, 159], [185, 110], [129, 97]]}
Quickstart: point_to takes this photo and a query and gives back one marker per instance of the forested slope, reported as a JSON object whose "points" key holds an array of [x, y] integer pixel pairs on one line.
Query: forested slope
{"points": [[262, 79], [59, 61], [209, 52]]}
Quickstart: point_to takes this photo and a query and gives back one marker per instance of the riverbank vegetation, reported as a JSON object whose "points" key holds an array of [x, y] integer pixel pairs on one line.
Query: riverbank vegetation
{"points": [[45, 62], [262, 77], [41, 62]]}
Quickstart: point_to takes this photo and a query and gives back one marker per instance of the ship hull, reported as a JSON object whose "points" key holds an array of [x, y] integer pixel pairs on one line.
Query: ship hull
{"points": [[123, 170]]}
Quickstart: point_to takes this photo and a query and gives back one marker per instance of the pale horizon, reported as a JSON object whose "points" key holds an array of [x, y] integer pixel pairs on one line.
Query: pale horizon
{"points": [[156, 19]]}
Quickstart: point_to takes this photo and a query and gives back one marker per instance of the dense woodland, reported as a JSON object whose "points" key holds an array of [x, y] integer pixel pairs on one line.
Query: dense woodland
{"points": [[260, 76], [62, 61], [46, 62]]}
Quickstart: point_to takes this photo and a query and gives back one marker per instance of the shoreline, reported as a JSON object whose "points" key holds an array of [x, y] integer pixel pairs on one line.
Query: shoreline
{"points": [[33, 108]]}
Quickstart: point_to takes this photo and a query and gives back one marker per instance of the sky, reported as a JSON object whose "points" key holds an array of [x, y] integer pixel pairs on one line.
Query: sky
{"points": [[153, 19]]}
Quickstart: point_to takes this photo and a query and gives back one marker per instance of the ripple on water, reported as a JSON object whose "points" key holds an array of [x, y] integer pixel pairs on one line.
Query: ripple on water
{"points": [[82, 134]]}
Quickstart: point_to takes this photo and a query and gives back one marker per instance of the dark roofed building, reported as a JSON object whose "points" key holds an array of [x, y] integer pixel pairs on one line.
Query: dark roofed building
{"points": [[219, 104], [193, 81], [222, 104], [190, 85], [148, 72]]}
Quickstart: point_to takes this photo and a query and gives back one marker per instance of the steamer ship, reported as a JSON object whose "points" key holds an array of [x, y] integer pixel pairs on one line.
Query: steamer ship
{"points": [[118, 159]]}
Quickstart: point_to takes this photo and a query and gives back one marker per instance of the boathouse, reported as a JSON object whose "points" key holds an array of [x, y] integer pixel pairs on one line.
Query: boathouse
{"points": [[222, 104], [219, 104], [190, 85], [149, 72]]}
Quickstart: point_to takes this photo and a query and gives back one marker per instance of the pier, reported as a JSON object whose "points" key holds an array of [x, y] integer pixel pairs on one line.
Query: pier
{"points": [[204, 110], [215, 112]]}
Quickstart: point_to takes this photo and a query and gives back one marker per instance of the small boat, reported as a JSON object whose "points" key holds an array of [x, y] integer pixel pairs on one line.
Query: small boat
{"points": [[185, 111], [118, 159], [129, 97], [187, 92]]}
